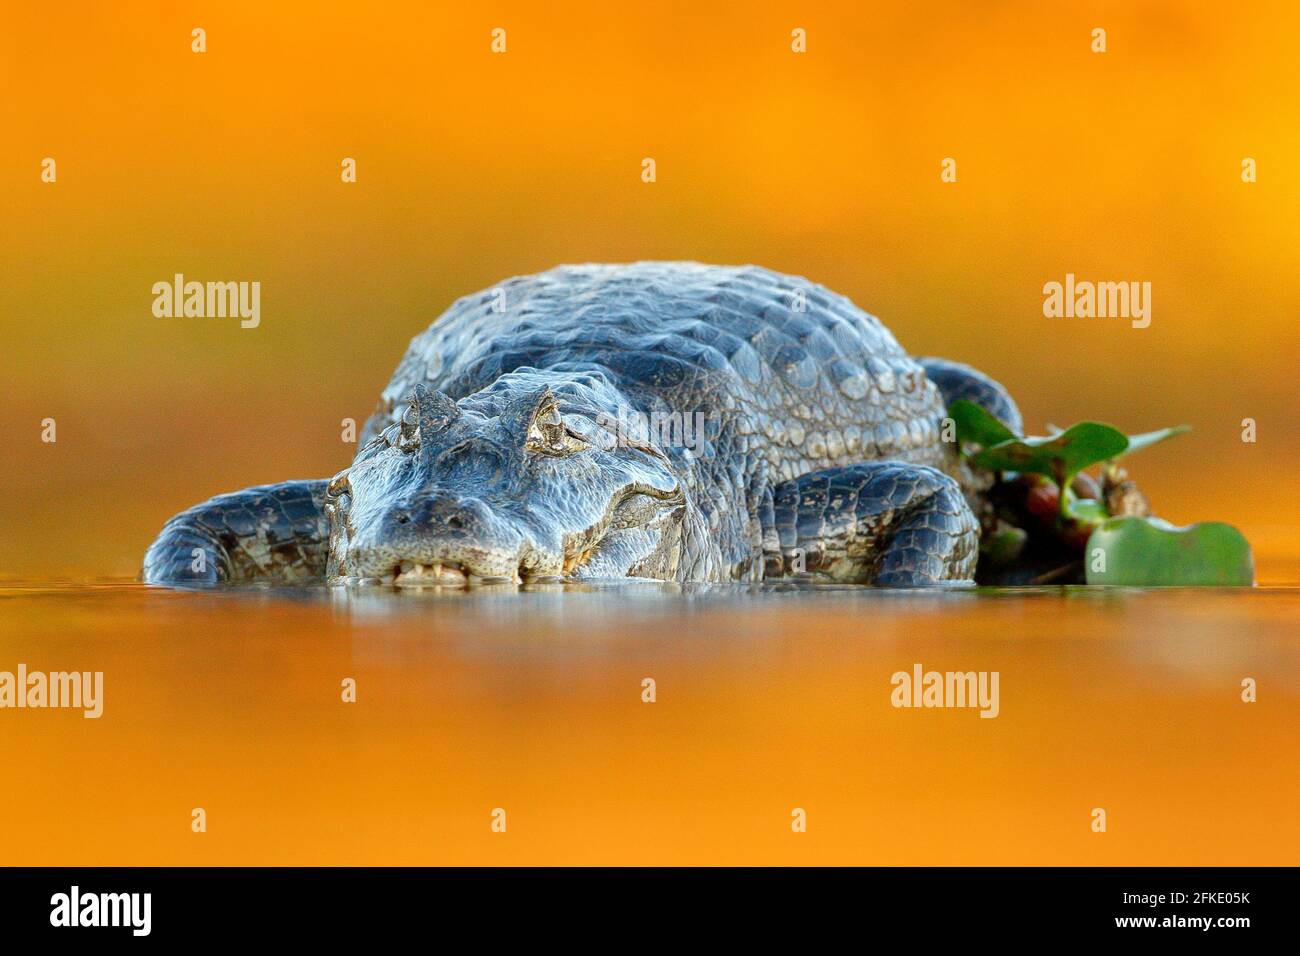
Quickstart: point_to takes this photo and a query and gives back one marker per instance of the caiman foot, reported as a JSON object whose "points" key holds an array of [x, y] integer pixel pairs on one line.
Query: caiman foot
{"points": [[276, 534], [889, 523]]}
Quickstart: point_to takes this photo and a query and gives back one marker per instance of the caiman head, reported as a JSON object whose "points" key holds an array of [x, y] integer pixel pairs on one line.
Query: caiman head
{"points": [[519, 482]]}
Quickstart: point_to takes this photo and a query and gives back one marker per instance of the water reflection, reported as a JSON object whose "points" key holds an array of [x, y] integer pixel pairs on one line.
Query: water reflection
{"points": [[768, 697]]}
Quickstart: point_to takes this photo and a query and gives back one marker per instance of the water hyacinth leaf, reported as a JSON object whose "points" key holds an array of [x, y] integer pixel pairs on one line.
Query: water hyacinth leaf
{"points": [[1059, 456], [1087, 511], [976, 425], [1148, 552]]}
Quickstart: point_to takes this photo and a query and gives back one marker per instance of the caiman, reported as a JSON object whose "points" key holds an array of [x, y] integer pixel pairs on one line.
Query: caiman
{"points": [[664, 420]]}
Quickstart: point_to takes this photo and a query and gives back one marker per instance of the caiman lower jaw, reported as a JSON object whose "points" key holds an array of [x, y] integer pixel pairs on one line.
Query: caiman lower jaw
{"points": [[449, 574], [611, 556]]}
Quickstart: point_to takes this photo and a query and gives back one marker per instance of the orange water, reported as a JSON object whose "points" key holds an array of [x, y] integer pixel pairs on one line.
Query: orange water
{"points": [[767, 701]]}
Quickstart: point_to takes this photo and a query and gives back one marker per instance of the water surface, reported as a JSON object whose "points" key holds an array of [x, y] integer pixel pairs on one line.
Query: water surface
{"points": [[767, 700]]}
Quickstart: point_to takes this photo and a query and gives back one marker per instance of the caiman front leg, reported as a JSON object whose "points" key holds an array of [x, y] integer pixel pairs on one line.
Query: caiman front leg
{"points": [[882, 522], [277, 534]]}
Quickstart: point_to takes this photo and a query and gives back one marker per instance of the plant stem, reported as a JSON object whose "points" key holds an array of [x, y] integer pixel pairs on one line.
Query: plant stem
{"points": [[1062, 485]]}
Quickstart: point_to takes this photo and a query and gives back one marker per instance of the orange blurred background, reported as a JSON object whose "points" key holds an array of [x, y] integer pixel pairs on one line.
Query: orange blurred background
{"points": [[474, 166]]}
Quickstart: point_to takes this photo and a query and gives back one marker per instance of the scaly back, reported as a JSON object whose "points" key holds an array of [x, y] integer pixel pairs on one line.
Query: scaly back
{"points": [[791, 372]]}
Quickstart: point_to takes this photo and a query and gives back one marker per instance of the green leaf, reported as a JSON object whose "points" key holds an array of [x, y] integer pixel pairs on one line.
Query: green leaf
{"points": [[976, 425], [1148, 552], [1060, 456], [1086, 511], [1138, 442]]}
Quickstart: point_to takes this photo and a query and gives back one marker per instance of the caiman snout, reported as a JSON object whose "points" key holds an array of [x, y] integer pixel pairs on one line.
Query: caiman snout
{"points": [[443, 515], [440, 538]]}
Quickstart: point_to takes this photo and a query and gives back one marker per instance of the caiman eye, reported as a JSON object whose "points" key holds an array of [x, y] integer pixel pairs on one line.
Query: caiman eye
{"points": [[339, 484], [549, 434], [408, 435], [338, 493]]}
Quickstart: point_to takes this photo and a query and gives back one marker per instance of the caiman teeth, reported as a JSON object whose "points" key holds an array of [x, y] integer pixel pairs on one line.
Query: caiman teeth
{"points": [[415, 574]]}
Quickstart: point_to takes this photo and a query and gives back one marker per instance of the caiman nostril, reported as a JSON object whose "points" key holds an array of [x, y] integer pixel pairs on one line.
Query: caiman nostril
{"points": [[455, 521], [402, 517]]}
